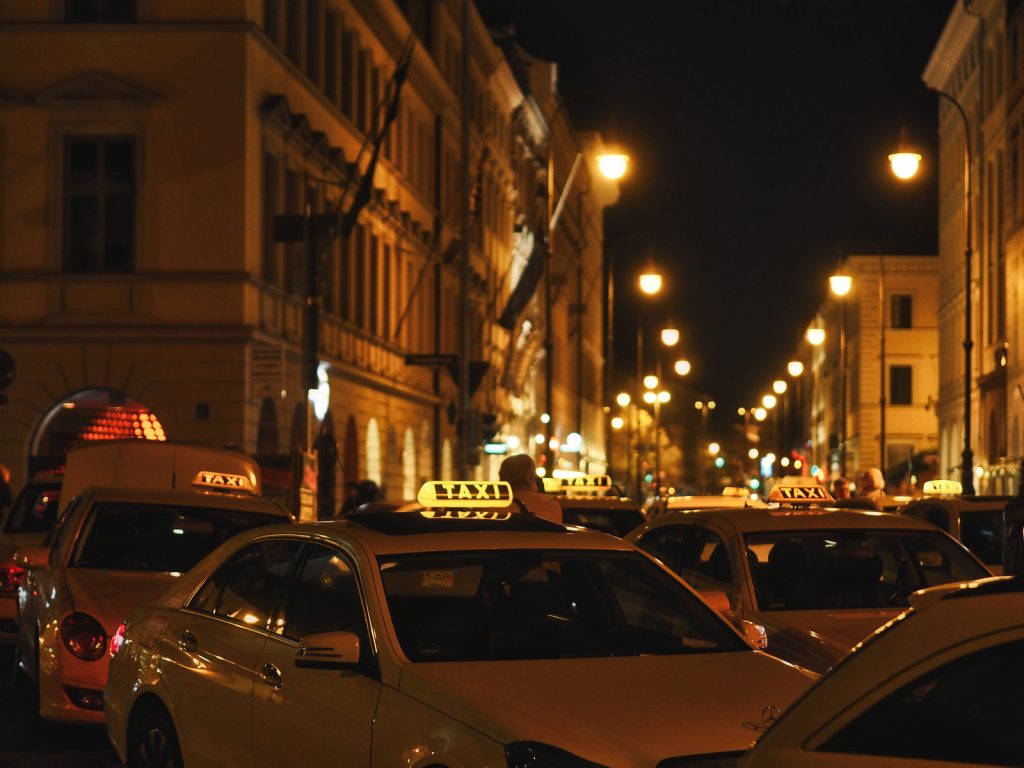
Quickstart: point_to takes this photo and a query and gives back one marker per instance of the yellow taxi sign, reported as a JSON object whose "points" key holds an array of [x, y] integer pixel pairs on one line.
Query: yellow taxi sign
{"points": [[223, 481], [942, 488], [798, 490], [465, 514], [735, 490], [585, 483], [464, 494]]}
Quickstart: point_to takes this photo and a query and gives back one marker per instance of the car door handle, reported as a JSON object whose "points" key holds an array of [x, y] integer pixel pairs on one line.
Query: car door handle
{"points": [[271, 675], [188, 642]]}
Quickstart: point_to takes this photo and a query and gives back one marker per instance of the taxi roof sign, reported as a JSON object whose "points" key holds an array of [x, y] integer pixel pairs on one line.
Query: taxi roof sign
{"points": [[799, 490], [585, 482], [464, 494], [223, 481], [942, 488]]}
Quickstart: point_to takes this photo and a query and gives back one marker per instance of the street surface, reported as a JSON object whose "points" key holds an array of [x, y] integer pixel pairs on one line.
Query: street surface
{"points": [[27, 741]]}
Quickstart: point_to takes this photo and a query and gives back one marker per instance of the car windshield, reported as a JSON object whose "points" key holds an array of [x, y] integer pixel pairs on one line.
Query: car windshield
{"points": [[815, 570], [617, 522], [981, 531], [536, 604], [34, 510], [131, 536]]}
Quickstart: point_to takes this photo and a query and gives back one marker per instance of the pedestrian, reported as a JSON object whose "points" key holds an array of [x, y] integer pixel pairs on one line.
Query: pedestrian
{"points": [[520, 472], [840, 488], [6, 495], [1013, 530], [871, 484]]}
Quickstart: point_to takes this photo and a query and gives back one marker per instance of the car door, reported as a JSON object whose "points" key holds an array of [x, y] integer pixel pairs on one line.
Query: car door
{"points": [[304, 716], [212, 646]]}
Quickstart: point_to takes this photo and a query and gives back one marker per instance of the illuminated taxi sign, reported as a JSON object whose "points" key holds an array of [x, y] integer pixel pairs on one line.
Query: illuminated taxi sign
{"points": [[464, 494], [585, 483], [942, 488], [466, 514], [798, 491], [223, 481]]}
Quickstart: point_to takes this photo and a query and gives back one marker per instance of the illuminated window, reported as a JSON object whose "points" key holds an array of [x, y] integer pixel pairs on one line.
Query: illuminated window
{"points": [[373, 460], [409, 485]]}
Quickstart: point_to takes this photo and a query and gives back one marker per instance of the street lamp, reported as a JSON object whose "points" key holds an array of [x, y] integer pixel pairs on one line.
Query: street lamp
{"points": [[617, 423], [815, 336], [904, 161], [769, 401], [795, 368], [967, 457], [613, 165], [623, 399], [670, 336], [779, 386], [650, 382], [682, 367], [760, 414], [713, 449], [840, 285], [650, 281]]}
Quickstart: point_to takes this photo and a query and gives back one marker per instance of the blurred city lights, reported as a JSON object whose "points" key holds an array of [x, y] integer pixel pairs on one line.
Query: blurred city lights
{"points": [[682, 367], [669, 336], [753, 453], [840, 284], [545, 418], [815, 336], [760, 413], [650, 397], [613, 165], [714, 448], [664, 397], [780, 386], [795, 368], [650, 283], [904, 164], [769, 401], [617, 422], [650, 382]]}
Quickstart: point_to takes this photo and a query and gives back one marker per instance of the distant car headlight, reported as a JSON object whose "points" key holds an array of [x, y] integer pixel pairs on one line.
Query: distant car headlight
{"points": [[83, 636], [533, 754]]}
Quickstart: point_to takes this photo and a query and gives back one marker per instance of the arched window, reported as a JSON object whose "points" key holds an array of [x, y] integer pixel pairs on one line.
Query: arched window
{"points": [[373, 463], [409, 485]]}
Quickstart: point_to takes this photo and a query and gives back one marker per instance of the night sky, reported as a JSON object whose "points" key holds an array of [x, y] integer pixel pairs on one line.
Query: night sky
{"points": [[759, 131]]}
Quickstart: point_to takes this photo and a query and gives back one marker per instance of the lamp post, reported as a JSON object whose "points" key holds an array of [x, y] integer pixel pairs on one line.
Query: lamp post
{"points": [[841, 285], [905, 166], [795, 369]]}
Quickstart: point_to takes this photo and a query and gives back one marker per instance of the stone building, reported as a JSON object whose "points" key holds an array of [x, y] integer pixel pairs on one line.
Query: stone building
{"points": [[146, 150]]}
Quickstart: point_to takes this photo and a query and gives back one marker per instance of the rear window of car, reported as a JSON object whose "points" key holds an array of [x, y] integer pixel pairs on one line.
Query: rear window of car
{"points": [[617, 522], [34, 510], [171, 538], [981, 531]]}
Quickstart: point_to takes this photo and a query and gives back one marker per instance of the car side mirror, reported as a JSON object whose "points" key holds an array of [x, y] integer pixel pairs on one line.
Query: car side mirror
{"points": [[718, 600], [33, 558], [756, 634], [328, 650]]}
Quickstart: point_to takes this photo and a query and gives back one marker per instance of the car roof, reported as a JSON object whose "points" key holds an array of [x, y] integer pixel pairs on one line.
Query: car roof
{"points": [[231, 501], [964, 502], [596, 502], [393, 533], [745, 519], [705, 502]]}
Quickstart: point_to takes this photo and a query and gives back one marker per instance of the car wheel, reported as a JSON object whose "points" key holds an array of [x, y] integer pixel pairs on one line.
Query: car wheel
{"points": [[153, 742]]}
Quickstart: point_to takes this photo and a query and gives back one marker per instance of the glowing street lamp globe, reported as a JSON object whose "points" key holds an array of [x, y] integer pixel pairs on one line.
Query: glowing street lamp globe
{"points": [[623, 399], [682, 367], [769, 401], [613, 165], [840, 284], [760, 413], [815, 336], [795, 368], [669, 336], [650, 397], [904, 164], [617, 422], [650, 283], [779, 386], [664, 397], [650, 382]]}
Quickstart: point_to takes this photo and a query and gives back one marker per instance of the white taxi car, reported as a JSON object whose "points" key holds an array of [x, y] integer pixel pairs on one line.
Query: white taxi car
{"points": [[818, 579], [939, 687], [592, 501], [111, 549], [464, 634]]}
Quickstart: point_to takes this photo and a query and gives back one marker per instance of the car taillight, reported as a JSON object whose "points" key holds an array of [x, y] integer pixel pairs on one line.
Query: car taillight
{"points": [[117, 639], [83, 636], [11, 577]]}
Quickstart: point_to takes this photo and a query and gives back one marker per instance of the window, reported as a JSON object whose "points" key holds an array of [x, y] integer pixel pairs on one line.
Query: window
{"points": [[697, 554], [359, 284], [901, 391], [900, 311], [271, 194], [965, 711], [323, 598], [99, 11], [99, 204], [248, 587]]}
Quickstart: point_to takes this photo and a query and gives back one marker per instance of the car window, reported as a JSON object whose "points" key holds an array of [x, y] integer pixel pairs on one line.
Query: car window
{"points": [[981, 531], [617, 522], [966, 711], [935, 514], [34, 509], [139, 536], [535, 604], [249, 586], [696, 553], [823, 569]]}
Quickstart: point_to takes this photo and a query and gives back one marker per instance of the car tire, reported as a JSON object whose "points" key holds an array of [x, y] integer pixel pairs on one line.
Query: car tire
{"points": [[153, 742]]}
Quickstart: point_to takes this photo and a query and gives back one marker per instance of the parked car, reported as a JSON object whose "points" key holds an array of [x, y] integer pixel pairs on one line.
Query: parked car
{"points": [[938, 686], [818, 579], [463, 634], [977, 521]]}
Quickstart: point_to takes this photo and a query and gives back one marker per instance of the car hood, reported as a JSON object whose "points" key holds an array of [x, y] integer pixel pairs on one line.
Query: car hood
{"points": [[109, 596], [624, 711], [818, 639]]}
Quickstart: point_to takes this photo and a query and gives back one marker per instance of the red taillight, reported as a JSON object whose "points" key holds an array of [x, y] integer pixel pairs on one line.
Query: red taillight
{"points": [[83, 636], [117, 639], [11, 577]]}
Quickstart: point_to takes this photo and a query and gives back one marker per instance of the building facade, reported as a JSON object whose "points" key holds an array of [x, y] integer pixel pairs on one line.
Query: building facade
{"points": [[979, 63], [147, 150], [891, 373]]}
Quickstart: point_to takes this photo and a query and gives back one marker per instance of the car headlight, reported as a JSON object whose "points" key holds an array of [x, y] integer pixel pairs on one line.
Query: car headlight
{"points": [[533, 754], [83, 636]]}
